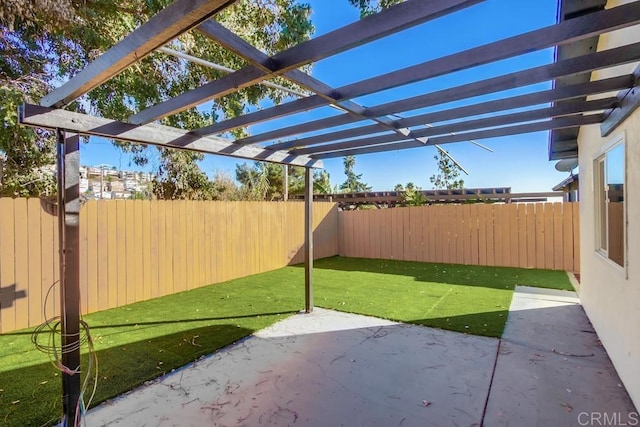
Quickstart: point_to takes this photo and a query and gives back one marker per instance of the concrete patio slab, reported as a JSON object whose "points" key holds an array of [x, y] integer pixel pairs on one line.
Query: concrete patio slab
{"points": [[322, 369], [551, 368], [330, 368]]}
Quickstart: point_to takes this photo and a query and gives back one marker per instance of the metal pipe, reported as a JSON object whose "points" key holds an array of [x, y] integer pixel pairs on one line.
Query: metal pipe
{"points": [[224, 69]]}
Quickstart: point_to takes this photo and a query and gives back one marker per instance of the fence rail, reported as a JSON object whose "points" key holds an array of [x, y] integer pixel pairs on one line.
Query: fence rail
{"points": [[135, 250], [541, 235]]}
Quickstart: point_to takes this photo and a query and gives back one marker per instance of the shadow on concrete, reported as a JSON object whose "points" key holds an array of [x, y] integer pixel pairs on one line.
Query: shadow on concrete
{"points": [[552, 368], [31, 395]]}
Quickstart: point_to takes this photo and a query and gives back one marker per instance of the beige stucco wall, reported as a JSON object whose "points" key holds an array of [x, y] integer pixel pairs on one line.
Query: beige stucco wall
{"points": [[609, 293]]}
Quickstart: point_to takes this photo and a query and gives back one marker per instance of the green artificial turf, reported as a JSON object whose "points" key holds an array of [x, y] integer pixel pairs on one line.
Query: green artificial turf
{"points": [[141, 341], [464, 298]]}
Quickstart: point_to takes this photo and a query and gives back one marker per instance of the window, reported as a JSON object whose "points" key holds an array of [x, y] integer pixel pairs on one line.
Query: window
{"points": [[609, 172]]}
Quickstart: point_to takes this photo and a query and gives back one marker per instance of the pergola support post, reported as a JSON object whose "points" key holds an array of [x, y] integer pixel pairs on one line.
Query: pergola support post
{"points": [[308, 240], [69, 242]]}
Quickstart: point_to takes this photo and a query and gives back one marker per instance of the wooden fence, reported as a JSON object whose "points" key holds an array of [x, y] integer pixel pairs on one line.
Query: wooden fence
{"points": [[543, 235], [135, 250]]}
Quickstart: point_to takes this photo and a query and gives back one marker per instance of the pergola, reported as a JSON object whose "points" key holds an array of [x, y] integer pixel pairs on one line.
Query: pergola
{"points": [[386, 131]]}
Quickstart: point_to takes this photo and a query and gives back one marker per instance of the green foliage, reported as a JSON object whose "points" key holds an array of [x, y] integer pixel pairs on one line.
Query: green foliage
{"points": [[265, 181], [368, 7], [448, 173], [43, 43], [322, 183], [23, 151], [354, 182], [412, 195]]}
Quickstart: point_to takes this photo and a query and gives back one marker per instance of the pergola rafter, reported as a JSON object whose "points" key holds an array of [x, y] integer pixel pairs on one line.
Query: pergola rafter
{"points": [[565, 122], [494, 106], [565, 32], [389, 21]]}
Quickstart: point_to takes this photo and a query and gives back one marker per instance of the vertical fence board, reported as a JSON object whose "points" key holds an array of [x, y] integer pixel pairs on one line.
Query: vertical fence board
{"points": [[514, 244], [374, 233], [147, 248], [366, 241], [49, 257], [83, 267], [558, 238], [170, 226], [137, 257], [21, 248], [130, 253], [523, 236], [499, 229], [475, 235], [34, 285], [540, 231], [465, 228], [189, 280], [490, 231], [548, 235], [567, 235], [531, 235], [482, 233], [92, 251], [7, 265]]}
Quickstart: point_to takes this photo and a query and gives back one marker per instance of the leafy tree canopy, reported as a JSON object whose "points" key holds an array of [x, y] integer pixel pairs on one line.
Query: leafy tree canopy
{"points": [[45, 42], [448, 175], [265, 181], [368, 7]]}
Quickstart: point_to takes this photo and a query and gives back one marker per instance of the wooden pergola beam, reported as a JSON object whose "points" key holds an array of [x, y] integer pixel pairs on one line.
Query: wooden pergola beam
{"points": [[565, 122], [175, 19], [580, 64], [389, 21], [153, 134], [504, 104], [562, 33], [494, 121], [215, 31]]}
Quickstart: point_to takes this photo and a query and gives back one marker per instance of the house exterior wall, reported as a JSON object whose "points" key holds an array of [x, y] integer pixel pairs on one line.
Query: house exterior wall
{"points": [[611, 294]]}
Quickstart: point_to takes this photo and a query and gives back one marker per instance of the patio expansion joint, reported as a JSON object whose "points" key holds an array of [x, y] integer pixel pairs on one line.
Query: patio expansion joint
{"points": [[493, 373]]}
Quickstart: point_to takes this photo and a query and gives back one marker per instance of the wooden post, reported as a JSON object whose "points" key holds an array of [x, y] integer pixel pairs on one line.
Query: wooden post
{"points": [[69, 238], [308, 240]]}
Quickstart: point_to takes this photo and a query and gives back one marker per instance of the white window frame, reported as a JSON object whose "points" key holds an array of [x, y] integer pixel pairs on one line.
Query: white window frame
{"points": [[599, 179]]}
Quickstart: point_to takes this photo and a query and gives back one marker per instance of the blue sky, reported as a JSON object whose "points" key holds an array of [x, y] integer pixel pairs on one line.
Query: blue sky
{"points": [[519, 162]]}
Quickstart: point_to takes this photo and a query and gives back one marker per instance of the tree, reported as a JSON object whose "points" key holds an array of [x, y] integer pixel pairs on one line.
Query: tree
{"points": [[322, 183], [265, 181], [368, 7], [448, 173], [353, 182], [411, 195], [43, 42]]}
